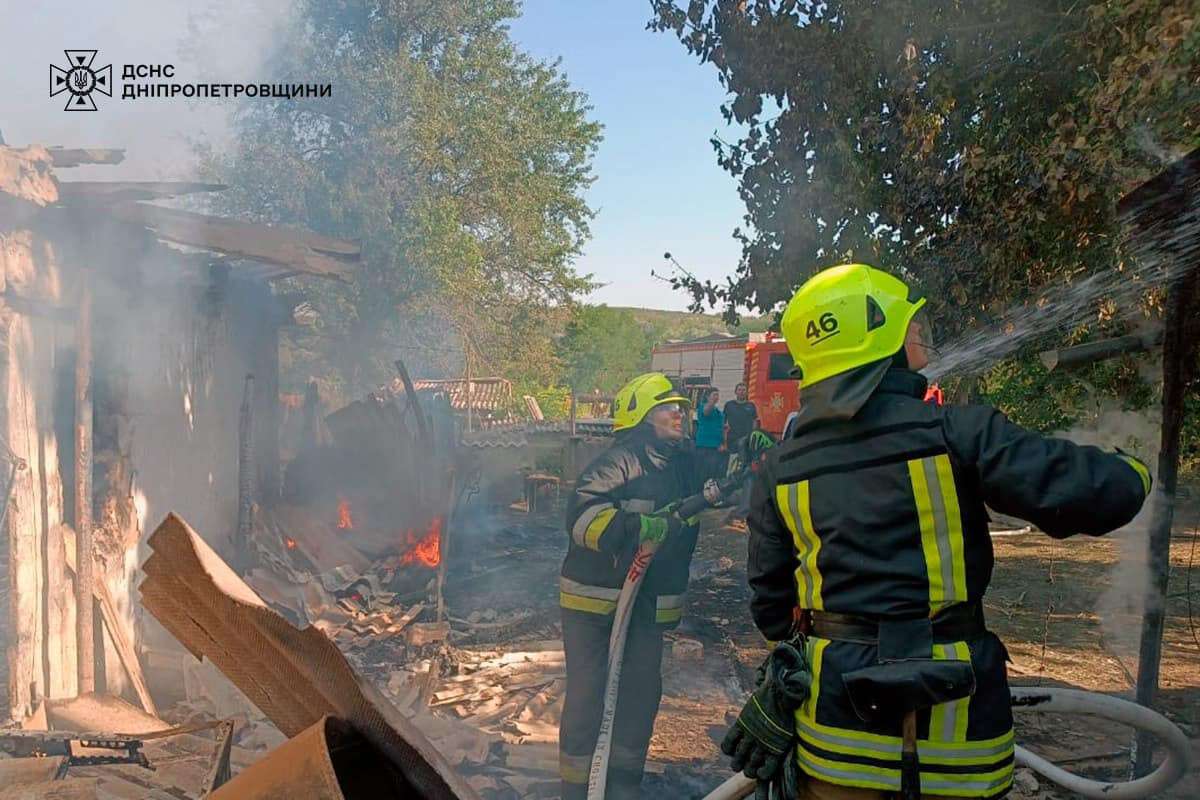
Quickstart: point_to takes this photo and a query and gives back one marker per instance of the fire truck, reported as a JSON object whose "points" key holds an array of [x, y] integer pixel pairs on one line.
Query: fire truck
{"points": [[722, 361]]}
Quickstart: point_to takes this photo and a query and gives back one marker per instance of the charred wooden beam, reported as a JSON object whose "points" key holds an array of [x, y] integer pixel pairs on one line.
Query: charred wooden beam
{"points": [[415, 404], [1091, 352], [116, 628], [84, 633], [245, 518], [302, 251], [1164, 198], [444, 548], [77, 156], [130, 191]]}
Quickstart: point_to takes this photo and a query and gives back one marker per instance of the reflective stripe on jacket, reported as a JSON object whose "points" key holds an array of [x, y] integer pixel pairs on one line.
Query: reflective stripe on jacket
{"points": [[883, 516], [636, 476]]}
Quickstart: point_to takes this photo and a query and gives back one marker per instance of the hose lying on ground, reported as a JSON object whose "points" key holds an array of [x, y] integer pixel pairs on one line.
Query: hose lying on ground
{"points": [[1069, 701], [1074, 701]]}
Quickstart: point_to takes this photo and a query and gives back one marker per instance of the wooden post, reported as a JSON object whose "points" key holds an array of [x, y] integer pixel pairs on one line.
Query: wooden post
{"points": [[245, 473], [444, 549], [1181, 343], [470, 392], [569, 471], [415, 403], [269, 480], [84, 631]]}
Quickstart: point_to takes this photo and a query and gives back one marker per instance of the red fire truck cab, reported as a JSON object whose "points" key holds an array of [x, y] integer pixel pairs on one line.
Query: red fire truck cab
{"points": [[721, 361], [769, 383]]}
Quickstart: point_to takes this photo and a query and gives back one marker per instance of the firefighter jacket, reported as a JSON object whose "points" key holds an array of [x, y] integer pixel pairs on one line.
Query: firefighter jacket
{"points": [[638, 475], [881, 515]]}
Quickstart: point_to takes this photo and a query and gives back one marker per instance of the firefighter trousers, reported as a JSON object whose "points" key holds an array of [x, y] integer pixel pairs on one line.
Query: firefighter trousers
{"points": [[813, 789], [586, 646]]}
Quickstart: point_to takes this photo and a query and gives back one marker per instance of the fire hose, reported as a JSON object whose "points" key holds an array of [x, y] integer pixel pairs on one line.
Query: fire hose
{"points": [[1069, 701], [709, 497]]}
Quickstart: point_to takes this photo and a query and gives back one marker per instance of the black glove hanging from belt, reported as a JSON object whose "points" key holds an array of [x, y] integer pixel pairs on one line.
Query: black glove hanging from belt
{"points": [[765, 732]]}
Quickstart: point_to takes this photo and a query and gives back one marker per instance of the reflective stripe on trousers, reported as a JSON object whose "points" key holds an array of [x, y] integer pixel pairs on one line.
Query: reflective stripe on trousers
{"points": [[578, 596], [976, 769], [584, 597]]}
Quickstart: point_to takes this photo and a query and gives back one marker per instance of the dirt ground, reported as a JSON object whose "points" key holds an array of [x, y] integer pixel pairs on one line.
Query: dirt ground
{"points": [[1064, 608]]}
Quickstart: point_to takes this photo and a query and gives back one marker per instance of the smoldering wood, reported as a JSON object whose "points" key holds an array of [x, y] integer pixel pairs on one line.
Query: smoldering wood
{"points": [[116, 629], [245, 519], [38, 606], [32, 306], [130, 191], [444, 544], [310, 429], [84, 575], [267, 412], [46, 236], [414, 403], [27, 184], [77, 156], [301, 251], [8, 610]]}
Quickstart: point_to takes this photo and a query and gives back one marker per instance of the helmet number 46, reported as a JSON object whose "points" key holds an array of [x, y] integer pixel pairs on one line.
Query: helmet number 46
{"points": [[820, 329]]}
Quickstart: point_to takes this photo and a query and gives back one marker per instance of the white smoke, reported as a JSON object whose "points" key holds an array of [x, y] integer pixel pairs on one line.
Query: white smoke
{"points": [[208, 41], [1121, 605]]}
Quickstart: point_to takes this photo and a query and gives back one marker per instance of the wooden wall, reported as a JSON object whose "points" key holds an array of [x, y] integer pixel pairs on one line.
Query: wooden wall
{"points": [[39, 633]]}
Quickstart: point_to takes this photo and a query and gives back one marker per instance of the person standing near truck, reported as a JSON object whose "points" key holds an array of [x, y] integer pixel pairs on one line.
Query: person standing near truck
{"points": [[710, 432], [741, 417]]}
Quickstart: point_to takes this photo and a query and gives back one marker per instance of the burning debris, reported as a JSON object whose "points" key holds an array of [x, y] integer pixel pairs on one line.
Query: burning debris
{"points": [[345, 518], [426, 549]]}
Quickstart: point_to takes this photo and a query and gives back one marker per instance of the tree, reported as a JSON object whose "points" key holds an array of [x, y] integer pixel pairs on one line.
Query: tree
{"points": [[980, 147], [602, 348], [458, 161]]}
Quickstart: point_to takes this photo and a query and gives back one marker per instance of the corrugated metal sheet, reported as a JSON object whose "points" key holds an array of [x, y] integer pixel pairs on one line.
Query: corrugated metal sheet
{"points": [[518, 434], [487, 394]]}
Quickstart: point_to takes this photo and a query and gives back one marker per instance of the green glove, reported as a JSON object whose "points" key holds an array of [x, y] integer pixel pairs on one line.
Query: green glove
{"points": [[765, 731], [760, 441], [655, 528]]}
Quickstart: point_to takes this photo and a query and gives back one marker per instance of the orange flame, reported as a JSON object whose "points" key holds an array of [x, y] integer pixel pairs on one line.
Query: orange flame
{"points": [[290, 542], [345, 520], [428, 549]]}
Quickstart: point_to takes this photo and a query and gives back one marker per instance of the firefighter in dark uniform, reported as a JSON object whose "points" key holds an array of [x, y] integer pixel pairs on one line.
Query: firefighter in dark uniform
{"points": [[611, 513], [870, 520]]}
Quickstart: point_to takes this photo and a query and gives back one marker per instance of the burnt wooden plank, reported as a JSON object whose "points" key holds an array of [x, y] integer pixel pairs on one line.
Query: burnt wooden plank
{"points": [[76, 156], [130, 191], [303, 251]]}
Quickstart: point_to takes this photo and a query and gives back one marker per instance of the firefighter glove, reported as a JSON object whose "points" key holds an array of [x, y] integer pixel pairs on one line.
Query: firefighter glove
{"points": [[760, 441], [655, 528], [765, 731]]}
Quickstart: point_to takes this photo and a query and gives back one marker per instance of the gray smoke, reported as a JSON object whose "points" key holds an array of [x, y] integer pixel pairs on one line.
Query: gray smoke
{"points": [[212, 40]]}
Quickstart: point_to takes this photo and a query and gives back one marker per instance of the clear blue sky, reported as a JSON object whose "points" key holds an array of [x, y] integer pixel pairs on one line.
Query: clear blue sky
{"points": [[658, 185]]}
